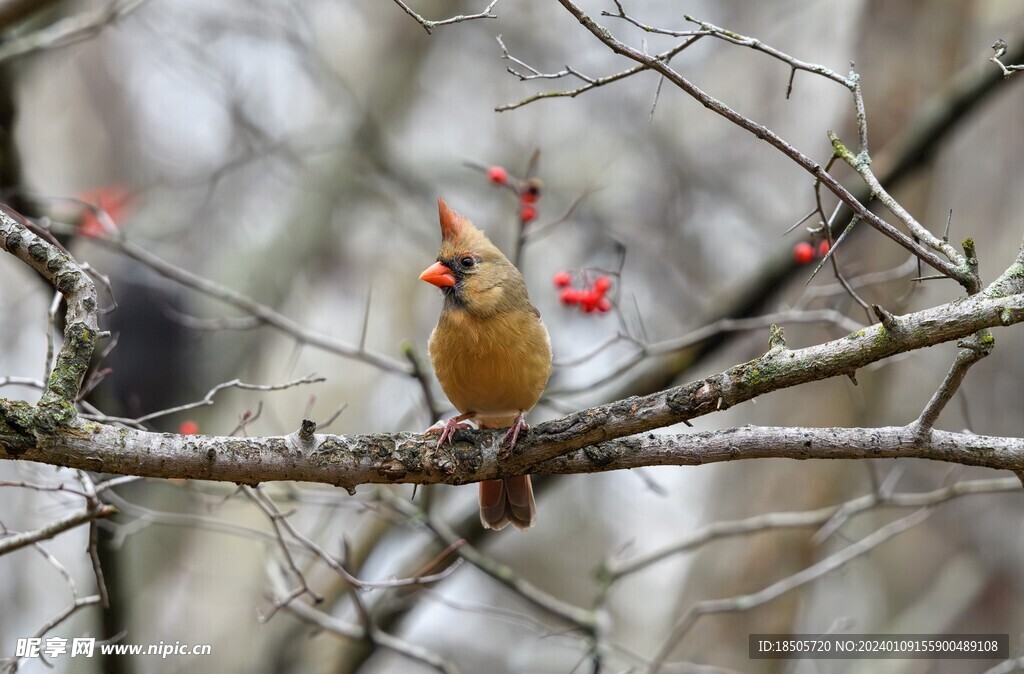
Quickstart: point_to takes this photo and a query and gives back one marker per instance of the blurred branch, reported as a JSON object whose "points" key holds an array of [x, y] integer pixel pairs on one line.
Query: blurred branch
{"points": [[13, 11], [615, 569], [12, 542], [258, 311], [348, 630], [748, 601], [70, 30], [580, 618]]}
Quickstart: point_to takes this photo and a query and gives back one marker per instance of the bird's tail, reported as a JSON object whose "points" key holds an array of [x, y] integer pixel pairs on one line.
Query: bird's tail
{"points": [[508, 500]]}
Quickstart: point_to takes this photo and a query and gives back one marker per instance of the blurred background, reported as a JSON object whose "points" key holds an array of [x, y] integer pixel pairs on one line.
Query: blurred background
{"points": [[294, 151]]}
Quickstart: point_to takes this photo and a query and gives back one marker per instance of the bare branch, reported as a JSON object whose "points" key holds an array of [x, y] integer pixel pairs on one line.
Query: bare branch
{"points": [[973, 350], [660, 65], [581, 618], [591, 82], [775, 590], [701, 334], [535, 74], [999, 46], [861, 163], [71, 30], [81, 325], [429, 25], [785, 520], [338, 627], [58, 526], [311, 378], [255, 309], [712, 30]]}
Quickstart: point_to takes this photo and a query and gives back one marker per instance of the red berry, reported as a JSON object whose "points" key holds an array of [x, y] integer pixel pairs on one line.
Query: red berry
{"points": [[530, 192], [117, 201], [188, 427], [589, 299], [562, 279], [527, 213], [603, 305], [823, 248], [90, 226], [569, 296], [497, 175], [803, 252], [602, 284]]}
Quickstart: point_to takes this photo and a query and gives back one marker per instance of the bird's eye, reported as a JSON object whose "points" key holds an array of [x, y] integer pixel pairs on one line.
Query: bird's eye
{"points": [[467, 262]]}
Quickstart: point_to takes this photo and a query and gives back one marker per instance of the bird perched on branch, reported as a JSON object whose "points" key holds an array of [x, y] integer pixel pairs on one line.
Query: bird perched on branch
{"points": [[490, 351]]}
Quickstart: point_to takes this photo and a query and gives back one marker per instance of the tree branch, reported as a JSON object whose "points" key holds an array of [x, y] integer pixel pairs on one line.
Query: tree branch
{"points": [[429, 25], [78, 518], [393, 458], [81, 325], [764, 133], [67, 440]]}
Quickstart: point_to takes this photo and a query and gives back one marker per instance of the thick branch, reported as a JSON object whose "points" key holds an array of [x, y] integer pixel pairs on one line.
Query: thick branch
{"points": [[81, 325], [353, 460], [348, 461]]}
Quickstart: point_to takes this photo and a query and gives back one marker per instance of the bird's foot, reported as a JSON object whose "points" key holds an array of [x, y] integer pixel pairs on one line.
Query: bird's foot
{"points": [[448, 430], [508, 442]]}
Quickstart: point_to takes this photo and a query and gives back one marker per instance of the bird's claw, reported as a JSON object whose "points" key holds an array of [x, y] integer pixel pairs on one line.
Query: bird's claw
{"points": [[508, 442], [448, 430]]}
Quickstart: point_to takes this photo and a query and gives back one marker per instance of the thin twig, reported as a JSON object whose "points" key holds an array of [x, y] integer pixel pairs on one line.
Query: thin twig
{"points": [[999, 46], [429, 25], [311, 378], [68, 31], [807, 518], [777, 589], [255, 309], [14, 541], [591, 82]]}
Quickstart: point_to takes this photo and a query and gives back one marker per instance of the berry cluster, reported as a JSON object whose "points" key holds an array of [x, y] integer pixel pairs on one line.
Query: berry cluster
{"points": [[805, 252], [590, 299], [528, 191]]}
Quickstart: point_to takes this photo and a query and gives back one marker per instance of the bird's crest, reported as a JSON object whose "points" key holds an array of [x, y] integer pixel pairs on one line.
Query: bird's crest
{"points": [[459, 236], [453, 225]]}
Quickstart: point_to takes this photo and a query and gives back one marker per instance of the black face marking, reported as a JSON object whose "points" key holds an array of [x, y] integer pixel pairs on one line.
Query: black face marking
{"points": [[460, 267]]}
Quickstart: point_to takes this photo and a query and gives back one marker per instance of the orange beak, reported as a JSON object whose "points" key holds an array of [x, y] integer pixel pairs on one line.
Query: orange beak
{"points": [[439, 275]]}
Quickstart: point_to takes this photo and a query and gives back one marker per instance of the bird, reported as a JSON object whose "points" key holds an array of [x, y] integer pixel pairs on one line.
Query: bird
{"points": [[491, 354]]}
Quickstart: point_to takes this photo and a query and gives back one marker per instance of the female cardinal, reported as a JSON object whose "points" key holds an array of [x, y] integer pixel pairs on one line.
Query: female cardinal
{"points": [[490, 351]]}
